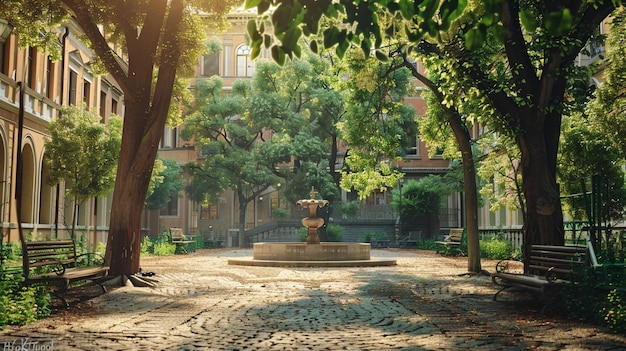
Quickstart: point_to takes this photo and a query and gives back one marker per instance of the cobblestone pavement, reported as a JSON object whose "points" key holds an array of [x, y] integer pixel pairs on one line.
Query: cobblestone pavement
{"points": [[201, 303]]}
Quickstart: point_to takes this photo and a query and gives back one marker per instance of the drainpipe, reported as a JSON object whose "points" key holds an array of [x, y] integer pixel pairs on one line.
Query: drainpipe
{"points": [[19, 171], [58, 194]]}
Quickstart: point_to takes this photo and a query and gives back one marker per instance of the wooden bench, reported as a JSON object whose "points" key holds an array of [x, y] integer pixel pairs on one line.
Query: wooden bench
{"points": [[56, 262], [452, 241], [180, 239], [412, 239], [548, 269], [380, 243]]}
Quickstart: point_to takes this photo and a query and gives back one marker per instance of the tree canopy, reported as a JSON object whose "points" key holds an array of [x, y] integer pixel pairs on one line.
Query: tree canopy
{"points": [[156, 42], [518, 55], [83, 152]]}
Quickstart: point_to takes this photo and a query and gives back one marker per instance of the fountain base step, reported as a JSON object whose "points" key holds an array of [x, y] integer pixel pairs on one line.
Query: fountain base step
{"points": [[325, 254], [273, 263]]}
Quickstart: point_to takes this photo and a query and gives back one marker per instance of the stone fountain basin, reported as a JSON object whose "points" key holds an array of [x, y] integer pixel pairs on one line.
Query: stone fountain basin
{"points": [[325, 251]]}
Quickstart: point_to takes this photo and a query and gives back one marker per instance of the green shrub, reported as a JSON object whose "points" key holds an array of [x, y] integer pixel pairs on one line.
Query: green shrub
{"points": [[600, 297], [496, 249], [278, 212], [147, 246], [427, 244], [159, 246], [350, 208], [11, 251], [615, 311], [334, 233], [21, 305]]}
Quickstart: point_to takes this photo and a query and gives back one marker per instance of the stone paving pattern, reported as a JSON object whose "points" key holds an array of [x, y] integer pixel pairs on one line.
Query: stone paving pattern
{"points": [[425, 302]]}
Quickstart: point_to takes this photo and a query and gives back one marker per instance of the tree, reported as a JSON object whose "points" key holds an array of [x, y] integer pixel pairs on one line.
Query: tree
{"points": [[449, 106], [247, 135], [377, 125], [609, 106], [161, 40], [83, 152], [167, 180], [524, 79]]}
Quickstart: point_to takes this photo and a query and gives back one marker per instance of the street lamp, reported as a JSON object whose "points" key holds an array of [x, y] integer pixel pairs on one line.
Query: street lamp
{"points": [[401, 184]]}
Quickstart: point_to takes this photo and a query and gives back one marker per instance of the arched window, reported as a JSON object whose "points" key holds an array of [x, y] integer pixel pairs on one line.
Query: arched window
{"points": [[245, 66]]}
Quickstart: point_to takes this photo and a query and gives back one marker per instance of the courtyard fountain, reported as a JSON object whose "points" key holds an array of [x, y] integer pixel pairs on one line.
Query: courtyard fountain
{"points": [[311, 253]]}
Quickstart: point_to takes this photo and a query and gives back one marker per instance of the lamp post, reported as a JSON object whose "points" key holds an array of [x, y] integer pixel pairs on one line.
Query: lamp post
{"points": [[401, 184]]}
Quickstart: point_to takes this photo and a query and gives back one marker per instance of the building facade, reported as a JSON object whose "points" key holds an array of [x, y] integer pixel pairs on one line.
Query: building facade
{"points": [[33, 88]]}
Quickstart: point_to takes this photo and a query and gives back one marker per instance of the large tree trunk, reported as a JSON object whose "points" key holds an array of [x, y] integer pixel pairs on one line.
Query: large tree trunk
{"points": [[133, 176], [538, 146], [471, 193], [243, 205], [146, 112]]}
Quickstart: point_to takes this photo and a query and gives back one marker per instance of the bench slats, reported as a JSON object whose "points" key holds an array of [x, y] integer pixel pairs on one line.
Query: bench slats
{"points": [[453, 239], [549, 268], [61, 257], [180, 239]]}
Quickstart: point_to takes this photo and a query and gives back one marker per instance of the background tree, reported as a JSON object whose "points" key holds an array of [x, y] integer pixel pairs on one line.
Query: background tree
{"points": [[83, 153], [378, 124], [451, 112], [166, 180], [161, 41], [251, 135], [500, 171], [291, 102], [608, 109], [587, 153], [540, 41]]}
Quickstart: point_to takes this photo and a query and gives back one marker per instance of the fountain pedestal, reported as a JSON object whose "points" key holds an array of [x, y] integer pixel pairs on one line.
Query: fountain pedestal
{"points": [[313, 253]]}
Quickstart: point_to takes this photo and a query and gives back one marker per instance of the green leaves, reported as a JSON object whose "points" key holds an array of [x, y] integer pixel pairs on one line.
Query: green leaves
{"points": [[559, 23], [83, 151], [528, 19], [475, 37], [292, 19]]}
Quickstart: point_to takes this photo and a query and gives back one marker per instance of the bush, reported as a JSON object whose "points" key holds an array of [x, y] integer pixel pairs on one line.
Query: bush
{"points": [[496, 249], [600, 297], [427, 244], [160, 246], [21, 305], [350, 208], [334, 233], [11, 251], [278, 212], [615, 311]]}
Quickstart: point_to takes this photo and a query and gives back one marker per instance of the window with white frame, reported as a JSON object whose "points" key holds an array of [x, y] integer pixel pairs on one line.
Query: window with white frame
{"points": [[245, 66]]}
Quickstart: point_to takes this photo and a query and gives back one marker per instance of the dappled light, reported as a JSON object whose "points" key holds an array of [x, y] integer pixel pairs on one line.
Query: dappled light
{"points": [[425, 302]]}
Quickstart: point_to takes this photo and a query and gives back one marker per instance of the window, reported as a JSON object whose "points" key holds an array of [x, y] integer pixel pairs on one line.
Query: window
{"points": [[5, 31], [87, 93], [103, 104], [208, 211], [114, 106], [169, 137], [72, 91], [245, 66], [3, 58], [48, 79], [172, 206], [211, 65], [31, 71]]}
